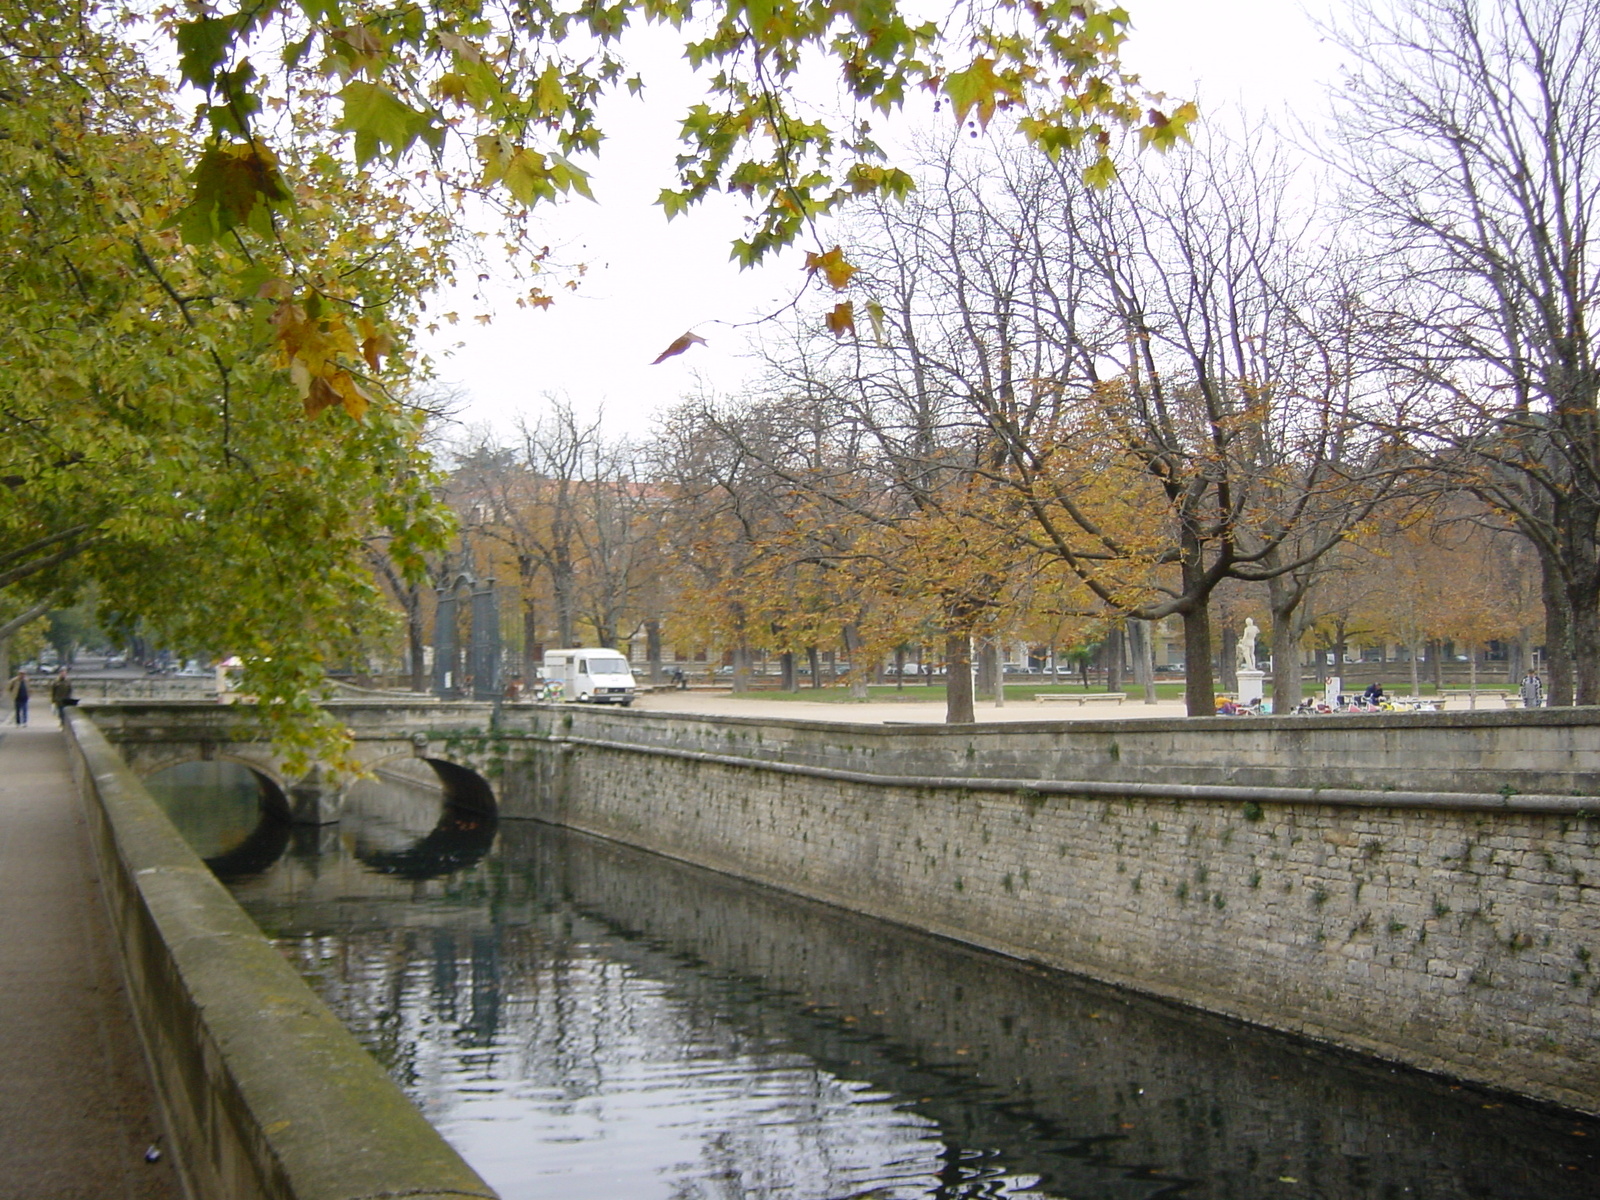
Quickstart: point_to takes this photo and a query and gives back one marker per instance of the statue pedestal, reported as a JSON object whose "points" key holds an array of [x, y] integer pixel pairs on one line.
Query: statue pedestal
{"points": [[1250, 686]]}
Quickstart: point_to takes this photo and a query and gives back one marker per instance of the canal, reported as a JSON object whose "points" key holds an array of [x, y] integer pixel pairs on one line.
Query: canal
{"points": [[586, 1021]]}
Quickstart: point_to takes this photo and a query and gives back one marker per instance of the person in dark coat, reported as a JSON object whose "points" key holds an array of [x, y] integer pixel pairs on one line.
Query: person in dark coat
{"points": [[18, 687], [61, 695]]}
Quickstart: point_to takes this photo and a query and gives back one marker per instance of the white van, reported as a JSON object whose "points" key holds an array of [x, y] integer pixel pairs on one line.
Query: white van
{"points": [[591, 675]]}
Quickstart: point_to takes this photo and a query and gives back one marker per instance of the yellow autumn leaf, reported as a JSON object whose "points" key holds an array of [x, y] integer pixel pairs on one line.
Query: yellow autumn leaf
{"points": [[842, 319], [832, 266]]}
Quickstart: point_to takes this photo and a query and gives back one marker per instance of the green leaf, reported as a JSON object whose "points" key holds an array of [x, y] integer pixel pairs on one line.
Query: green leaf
{"points": [[976, 87], [1101, 173], [550, 96], [202, 47], [379, 119], [527, 176], [324, 11]]}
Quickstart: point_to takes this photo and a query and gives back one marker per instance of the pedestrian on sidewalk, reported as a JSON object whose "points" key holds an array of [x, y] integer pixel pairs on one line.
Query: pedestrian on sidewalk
{"points": [[61, 695], [18, 689], [1532, 690]]}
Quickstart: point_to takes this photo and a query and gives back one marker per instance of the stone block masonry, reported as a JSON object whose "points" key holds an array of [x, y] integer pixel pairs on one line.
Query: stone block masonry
{"points": [[1452, 926], [267, 1096]]}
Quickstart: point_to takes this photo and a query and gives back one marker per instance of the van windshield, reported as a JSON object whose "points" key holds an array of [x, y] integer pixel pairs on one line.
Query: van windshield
{"points": [[608, 666]]}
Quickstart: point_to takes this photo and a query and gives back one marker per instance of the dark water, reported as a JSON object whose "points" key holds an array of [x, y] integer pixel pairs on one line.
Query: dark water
{"points": [[582, 1020]]}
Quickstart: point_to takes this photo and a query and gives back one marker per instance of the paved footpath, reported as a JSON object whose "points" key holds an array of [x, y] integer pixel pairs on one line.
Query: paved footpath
{"points": [[885, 710], [76, 1108]]}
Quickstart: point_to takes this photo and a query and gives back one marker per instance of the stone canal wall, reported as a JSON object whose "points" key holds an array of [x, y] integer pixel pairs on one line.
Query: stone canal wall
{"points": [[1418, 888], [1118, 1080], [265, 1092]]}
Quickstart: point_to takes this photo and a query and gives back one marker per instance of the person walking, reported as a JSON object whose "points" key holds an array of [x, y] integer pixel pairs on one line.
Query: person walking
{"points": [[61, 695], [18, 688], [1532, 690]]}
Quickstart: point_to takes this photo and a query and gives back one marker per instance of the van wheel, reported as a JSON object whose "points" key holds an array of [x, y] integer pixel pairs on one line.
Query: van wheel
{"points": [[627, 704], [583, 697]]}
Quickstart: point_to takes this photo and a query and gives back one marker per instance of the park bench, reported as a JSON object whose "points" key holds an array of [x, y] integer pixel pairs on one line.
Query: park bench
{"points": [[1080, 698]]}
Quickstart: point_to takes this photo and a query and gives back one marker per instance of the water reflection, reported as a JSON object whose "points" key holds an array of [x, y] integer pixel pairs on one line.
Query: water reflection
{"points": [[406, 822], [235, 819], [584, 1020], [409, 822]]}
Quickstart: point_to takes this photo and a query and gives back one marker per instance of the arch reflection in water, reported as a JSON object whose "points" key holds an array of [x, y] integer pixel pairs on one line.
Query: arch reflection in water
{"points": [[583, 1020], [420, 819], [234, 818]]}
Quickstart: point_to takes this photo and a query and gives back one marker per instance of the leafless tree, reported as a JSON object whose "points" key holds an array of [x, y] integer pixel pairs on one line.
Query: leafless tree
{"points": [[1470, 138], [1155, 377]]}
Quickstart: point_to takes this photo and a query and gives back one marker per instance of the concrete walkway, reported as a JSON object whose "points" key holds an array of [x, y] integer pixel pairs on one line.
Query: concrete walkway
{"points": [[76, 1108]]}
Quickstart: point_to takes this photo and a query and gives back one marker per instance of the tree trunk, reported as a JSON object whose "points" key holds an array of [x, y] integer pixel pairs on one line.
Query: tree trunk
{"points": [[1584, 637], [1516, 658], [1199, 692], [1115, 640], [988, 669], [1416, 681], [1228, 661], [531, 649], [1144, 666], [416, 640], [859, 675], [652, 649], [741, 669], [1557, 642], [789, 679], [1284, 597], [958, 705], [815, 660], [563, 585]]}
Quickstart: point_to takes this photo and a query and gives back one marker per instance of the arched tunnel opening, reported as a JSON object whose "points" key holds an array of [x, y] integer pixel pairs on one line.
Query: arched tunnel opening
{"points": [[234, 817], [420, 818], [463, 788]]}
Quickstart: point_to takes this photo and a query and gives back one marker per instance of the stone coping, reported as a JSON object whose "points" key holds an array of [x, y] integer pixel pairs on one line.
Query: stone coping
{"points": [[266, 1093], [1583, 806]]}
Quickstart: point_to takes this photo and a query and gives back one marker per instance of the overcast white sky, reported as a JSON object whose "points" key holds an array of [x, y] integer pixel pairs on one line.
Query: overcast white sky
{"points": [[649, 281]]}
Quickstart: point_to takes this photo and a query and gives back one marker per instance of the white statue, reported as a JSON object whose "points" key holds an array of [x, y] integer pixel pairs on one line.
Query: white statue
{"points": [[1247, 645]]}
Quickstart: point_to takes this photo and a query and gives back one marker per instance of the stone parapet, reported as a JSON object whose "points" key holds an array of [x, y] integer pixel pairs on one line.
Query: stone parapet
{"points": [[266, 1093]]}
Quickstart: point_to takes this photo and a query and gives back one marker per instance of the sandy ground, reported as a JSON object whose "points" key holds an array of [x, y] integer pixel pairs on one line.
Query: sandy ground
{"points": [[879, 712]]}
